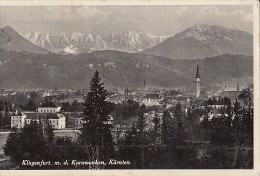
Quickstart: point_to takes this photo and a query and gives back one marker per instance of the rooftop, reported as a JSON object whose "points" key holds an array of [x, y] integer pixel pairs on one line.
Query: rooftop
{"points": [[49, 104], [18, 113], [44, 116], [152, 96], [230, 94], [182, 98]]}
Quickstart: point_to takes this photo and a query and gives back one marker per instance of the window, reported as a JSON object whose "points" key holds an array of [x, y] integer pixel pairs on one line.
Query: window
{"points": [[57, 124]]}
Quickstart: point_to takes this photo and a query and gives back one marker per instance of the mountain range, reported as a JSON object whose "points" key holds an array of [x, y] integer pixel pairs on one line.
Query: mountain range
{"points": [[202, 41], [76, 43], [169, 63], [196, 42]]}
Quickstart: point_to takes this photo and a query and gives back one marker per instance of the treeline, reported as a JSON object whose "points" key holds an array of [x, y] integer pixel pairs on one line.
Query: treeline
{"points": [[75, 106], [218, 101], [181, 141]]}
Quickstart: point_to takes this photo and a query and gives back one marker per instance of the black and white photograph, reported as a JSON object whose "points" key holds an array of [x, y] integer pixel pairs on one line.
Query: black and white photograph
{"points": [[103, 87]]}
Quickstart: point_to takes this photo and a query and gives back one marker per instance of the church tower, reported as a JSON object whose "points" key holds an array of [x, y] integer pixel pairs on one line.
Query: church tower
{"points": [[197, 82], [145, 85]]}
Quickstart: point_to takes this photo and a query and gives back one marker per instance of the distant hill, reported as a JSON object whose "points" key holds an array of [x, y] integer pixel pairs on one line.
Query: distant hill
{"points": [[202, 41], [12, 40], [25, 70]]}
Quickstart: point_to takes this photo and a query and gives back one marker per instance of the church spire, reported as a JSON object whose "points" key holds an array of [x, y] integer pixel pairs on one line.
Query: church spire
{"points": [[237, 87], [197, 82], [145, 85], [198, 72]]}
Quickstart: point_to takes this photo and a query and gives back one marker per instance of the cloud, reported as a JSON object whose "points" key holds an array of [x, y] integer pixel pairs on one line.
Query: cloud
{"points": [[104, 20], [182, 10], [72, 12]]}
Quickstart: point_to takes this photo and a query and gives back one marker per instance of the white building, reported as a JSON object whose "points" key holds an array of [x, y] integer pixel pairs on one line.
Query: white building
{"points": [[215, 113], [49, 107], [152, 99], [17, 119], [46, 94], [110, 120], [57, 121]]}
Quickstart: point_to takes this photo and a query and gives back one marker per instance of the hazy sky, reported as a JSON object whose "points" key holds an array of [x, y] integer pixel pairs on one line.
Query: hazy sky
{"points": [[104, 20]]}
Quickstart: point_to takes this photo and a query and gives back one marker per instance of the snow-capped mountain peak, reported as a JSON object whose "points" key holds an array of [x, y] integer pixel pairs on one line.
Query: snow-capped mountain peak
{"points": [[128, 41]]}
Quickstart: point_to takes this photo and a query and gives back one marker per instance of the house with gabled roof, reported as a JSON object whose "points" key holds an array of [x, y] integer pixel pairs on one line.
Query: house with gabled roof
{"points": [[49, 107], [17, 119]]}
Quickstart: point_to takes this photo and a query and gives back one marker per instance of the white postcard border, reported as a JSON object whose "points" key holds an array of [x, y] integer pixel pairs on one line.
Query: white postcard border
{"points": [[179, 172]]}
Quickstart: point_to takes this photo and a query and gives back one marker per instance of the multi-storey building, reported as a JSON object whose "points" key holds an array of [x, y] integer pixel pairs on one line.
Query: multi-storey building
{"points": [[47, 112], [17, 119]]}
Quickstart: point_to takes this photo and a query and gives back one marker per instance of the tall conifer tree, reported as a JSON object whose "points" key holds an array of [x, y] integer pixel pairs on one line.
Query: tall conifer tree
{"points": [[96, 130]]}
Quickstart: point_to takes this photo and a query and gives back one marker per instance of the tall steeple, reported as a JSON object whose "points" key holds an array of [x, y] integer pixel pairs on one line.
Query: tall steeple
{"points": [[198, 72], [197, 82], [145, 85]]}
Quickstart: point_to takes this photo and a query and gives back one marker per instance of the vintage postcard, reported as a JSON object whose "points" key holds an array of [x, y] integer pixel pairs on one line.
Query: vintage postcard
{"points": [[129, 88]]}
